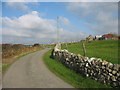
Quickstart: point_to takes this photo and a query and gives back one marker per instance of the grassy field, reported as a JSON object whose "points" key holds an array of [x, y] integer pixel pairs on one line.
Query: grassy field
{"points": [[106, 50], [70, 76]]}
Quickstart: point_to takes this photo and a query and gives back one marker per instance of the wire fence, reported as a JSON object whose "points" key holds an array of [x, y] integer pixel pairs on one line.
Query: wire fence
{"points": [[72, 40], [104, 49]]}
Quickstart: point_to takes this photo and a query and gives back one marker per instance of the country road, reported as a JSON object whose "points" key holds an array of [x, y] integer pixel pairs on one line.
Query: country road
{"points": [[30, 72]]}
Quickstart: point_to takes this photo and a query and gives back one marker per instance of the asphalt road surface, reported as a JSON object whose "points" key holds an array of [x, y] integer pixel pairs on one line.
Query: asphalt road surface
{"points": [[30, 72]]}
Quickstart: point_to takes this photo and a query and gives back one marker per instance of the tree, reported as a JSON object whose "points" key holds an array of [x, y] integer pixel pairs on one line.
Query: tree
{"points": [[36, 45]]}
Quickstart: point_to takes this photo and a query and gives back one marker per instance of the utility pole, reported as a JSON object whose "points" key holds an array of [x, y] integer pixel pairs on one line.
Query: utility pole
{"points": [[58, 34]]}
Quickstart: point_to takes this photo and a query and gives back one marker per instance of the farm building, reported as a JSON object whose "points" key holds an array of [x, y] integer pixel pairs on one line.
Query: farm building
{"points": [[111, 36], [116, 38], [108, 36], [90, 38], [98, 37]]}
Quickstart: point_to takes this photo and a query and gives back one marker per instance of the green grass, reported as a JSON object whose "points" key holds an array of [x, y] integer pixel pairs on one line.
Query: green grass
{"points": [[6, 66], [106, 50], [70, 76]]}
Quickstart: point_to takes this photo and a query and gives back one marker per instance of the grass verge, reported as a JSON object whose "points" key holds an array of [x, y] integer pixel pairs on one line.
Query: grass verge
{"points": [[70, 76], [6, 66]]}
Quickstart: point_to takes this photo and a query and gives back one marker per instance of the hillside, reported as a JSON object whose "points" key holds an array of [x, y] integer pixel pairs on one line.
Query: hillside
{"points": [[106, 49]]}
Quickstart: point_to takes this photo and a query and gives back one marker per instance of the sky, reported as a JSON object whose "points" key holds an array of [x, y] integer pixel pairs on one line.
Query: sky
{"points": [[36, 22]]}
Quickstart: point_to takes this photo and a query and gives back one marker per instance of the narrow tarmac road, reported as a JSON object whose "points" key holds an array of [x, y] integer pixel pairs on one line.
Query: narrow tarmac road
{"points": [[30, 72]]}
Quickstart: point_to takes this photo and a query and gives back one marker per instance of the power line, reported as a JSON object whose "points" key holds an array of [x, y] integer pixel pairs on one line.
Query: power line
{"points": [[58, 34]]}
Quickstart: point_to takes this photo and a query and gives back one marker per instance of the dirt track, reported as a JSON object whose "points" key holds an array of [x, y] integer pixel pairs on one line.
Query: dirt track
{"points": [[30, 72]]}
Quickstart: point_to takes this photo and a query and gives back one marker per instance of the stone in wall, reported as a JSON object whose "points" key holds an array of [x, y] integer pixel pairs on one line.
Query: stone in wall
{"points": [[95, 68]]}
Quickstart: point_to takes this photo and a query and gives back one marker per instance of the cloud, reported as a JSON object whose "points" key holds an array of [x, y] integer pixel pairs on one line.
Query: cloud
{"points": [[31, 28], [61, 0], [21, 5], [13, 32], [100, 17], [65, 22]]}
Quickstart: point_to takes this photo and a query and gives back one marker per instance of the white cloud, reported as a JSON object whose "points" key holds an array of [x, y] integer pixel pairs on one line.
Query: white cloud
{"points": [[64, 20], [61, 0], [100, 17], [13, 32], [22, 6], [32, 28]]}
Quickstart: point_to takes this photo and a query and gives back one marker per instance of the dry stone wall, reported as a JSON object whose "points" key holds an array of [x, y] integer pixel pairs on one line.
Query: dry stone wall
{"points": [[95, 68]]}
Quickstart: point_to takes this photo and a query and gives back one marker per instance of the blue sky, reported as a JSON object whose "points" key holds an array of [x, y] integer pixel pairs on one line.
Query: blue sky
{"points": [[49, 10], [77, 20]]}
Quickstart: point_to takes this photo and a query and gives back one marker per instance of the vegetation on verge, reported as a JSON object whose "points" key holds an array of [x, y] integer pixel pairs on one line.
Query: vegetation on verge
{"points": [[104, 49], [23, 54], [70, 76], [11, 50], [6, 66]]}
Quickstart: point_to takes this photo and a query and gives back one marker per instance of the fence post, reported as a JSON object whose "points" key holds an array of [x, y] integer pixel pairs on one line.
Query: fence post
{"points": [[84, 50], [66, 46]]}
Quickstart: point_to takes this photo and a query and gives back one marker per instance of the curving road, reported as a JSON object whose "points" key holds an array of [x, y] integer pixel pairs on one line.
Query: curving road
{"points": [[30, 72]]}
